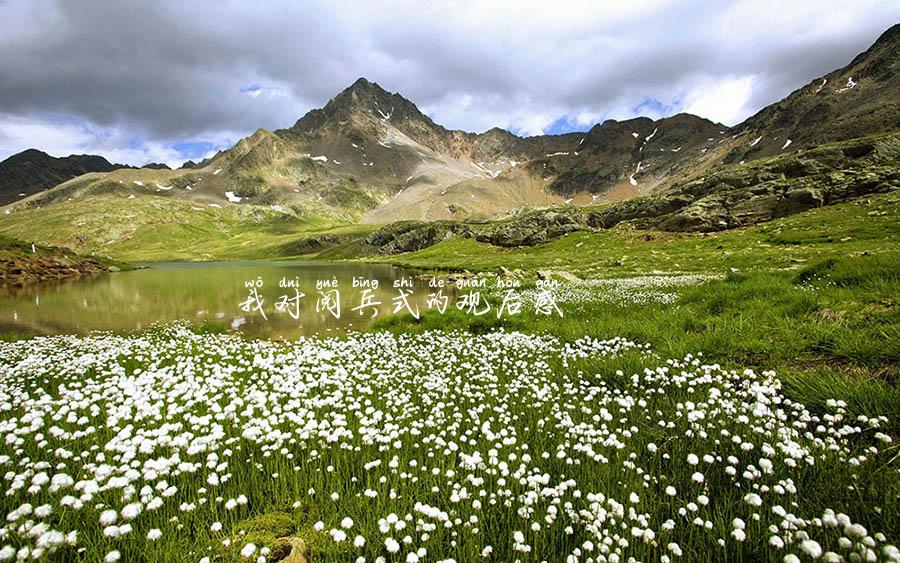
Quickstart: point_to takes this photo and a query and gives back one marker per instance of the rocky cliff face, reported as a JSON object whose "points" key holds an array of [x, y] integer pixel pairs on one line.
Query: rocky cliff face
{"points": [[637, 155], [742, 195]]}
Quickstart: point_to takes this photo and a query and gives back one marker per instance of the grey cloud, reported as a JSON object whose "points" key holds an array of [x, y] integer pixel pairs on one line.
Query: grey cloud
{"points": [[169, 70]]}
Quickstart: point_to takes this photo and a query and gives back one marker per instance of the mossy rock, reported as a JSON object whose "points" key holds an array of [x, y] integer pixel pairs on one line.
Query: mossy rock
{"points": [[277, 524]]}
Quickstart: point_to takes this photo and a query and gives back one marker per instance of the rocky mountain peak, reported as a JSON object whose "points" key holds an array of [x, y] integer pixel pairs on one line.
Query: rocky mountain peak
{"points": [[365, 95], [362, 96], [891, 35], [29, 154]]}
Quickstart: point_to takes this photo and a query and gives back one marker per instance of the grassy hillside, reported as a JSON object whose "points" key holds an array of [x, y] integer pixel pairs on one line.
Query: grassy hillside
{"points": [[161, 228], [154, 228], [813, 295], [156, 215], [870, 225]]}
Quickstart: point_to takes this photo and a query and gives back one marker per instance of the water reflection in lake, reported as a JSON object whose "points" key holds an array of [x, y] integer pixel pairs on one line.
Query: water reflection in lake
{"points": [[204, 293]]}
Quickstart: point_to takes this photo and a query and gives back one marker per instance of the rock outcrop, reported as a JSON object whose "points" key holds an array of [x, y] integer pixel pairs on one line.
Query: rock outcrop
{"points": [[22, 265], [743, 195]]}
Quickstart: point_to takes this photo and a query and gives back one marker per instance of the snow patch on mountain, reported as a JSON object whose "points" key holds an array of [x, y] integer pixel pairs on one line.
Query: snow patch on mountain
{"points": [[850, 85]]}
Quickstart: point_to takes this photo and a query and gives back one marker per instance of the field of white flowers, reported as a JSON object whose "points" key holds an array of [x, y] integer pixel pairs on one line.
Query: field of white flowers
{"points": [[174, 446], [635, 290]]}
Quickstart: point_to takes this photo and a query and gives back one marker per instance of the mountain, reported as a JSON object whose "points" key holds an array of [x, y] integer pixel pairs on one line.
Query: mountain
{"points": [[157, 166], [371, 156], [380, 138], [417, 169], [859, 99], [32, 171], [632, 156]]}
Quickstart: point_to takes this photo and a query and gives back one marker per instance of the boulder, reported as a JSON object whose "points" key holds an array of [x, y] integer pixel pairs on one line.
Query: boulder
{"points": [[558, 275], [298, 550], [801, 199]]}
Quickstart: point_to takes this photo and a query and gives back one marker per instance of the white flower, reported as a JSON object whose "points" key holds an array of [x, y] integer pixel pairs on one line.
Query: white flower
{"points": [[108, 517], [112, 556], [248, 550], [154, 534], [132, 510], [347, 523], [811, 548], [855, 531], [518, 537], [391, 545]]}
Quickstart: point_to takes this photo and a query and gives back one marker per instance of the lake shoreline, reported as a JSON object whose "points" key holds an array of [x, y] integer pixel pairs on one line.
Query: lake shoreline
{"points": [[26, 271], [24, 264], [284, 298]]}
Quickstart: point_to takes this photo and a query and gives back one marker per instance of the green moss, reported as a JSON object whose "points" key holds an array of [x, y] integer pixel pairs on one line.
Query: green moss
{"points": [[276, 524]]}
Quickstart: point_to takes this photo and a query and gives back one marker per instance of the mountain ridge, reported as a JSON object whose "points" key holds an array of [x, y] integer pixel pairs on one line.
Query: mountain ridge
{"points": [[858, 99], [33, 170], [371, 155]]}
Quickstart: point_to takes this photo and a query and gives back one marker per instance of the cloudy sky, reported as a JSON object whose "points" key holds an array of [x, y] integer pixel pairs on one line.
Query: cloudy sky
{"points": [[169, 80]]}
